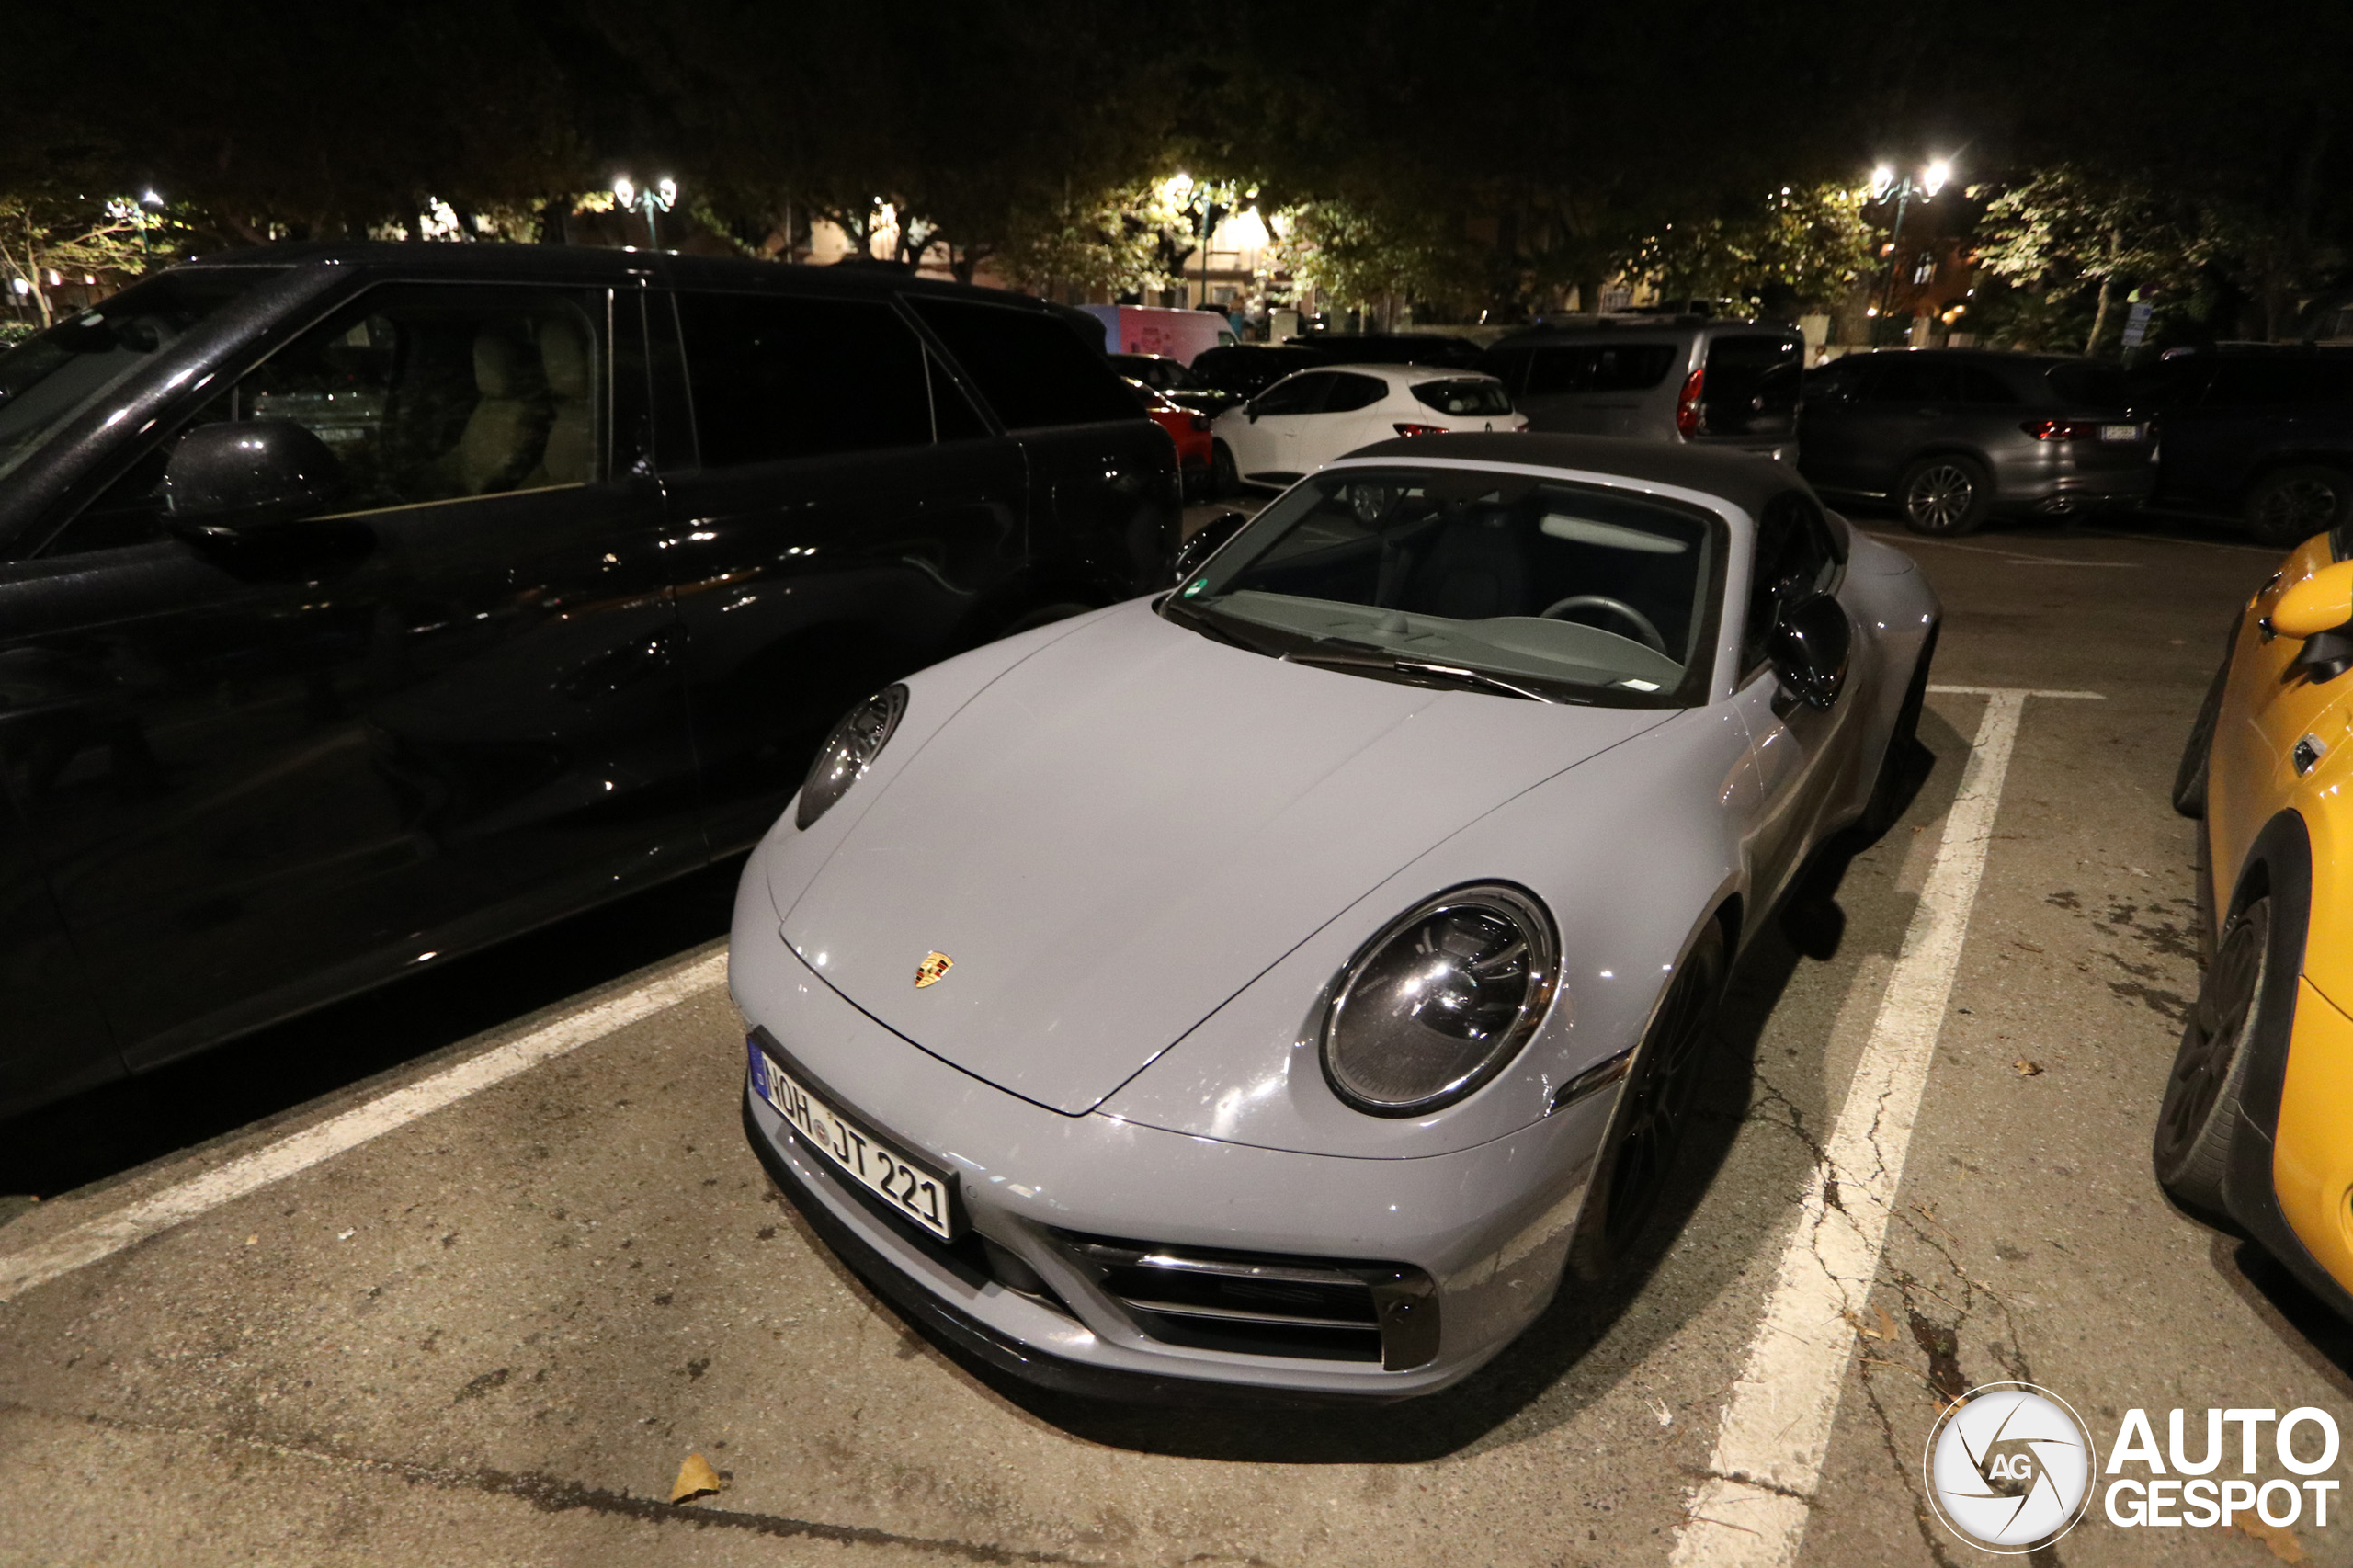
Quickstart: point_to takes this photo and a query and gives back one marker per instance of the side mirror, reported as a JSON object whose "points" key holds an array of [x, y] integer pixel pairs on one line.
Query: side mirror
{"points": [[1810, 647], [1251, 408], [1206, 541], [221, 477], [2320, 610]]}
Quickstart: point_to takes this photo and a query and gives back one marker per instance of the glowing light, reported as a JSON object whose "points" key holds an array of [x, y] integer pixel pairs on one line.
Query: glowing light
{"points": [[1246, 231], [1937, 175], [1177, 187], [1882, 180], [625, 191]]}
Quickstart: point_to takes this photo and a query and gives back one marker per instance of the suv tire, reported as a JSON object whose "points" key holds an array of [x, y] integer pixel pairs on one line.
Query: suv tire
{"points": [[1945, 495], [2290, 505]]}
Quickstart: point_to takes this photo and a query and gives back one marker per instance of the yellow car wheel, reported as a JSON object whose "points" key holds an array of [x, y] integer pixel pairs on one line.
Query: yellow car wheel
{"points": [[2201, 1115]]}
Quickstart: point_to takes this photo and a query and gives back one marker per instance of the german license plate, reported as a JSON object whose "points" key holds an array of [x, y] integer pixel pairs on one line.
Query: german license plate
{"points": [[2119, 432], [913, 1189]]}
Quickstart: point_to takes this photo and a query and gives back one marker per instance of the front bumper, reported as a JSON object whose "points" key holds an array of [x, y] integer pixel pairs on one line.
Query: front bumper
{"points": [[1476, 1238]]}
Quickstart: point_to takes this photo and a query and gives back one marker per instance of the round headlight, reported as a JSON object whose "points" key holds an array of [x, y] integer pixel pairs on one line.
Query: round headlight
{"points": [[1440, 1001], [848, 752]]}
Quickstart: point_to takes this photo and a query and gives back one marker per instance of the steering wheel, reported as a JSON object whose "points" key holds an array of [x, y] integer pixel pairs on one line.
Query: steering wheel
{"points": [[1619, 607]]}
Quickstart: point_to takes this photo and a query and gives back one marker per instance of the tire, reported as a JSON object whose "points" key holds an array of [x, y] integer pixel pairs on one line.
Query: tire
{"points": [[1945, 495], [1638, 1155], [2290, 505], [1225, 478], [2189, 777], [1886, 803], [2199, 1118]]}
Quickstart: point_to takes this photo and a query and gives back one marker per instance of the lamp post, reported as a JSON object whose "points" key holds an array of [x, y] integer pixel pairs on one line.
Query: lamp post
{"points": [[659, 197], [1884, 180]]}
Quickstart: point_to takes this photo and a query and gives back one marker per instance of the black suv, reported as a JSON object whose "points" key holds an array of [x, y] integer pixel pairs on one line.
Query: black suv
{"points": [[2261, 433], [361, 605]]}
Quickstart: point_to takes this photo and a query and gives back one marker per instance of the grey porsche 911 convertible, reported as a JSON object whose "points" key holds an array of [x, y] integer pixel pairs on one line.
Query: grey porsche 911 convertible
{"points": [[1286, 980]]}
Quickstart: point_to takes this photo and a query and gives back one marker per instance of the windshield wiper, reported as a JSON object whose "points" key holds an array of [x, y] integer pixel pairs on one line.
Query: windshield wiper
{"points": [[1372, 659]]}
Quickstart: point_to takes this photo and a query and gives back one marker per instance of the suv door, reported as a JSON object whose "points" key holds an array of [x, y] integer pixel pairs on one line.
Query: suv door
{"points": [[846, 517], [1904, 400], [1104, 500], [1749, 390], [272, 770], [55, 1040], [1598, 388]]}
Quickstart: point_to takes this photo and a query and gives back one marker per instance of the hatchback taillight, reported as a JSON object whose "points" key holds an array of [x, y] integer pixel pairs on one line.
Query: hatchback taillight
{"points": [[1419, 429], [1686, 406], [2062, 429]]}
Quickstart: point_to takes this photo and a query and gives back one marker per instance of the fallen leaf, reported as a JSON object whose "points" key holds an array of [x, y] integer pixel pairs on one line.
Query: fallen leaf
{"points": [[346, 1235], [696, 1479], [2027, 1069], [2278, 1538], [253, 1241]]}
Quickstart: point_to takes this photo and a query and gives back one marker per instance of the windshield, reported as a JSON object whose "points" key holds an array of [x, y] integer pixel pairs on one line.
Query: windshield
{"points": [[1557, 590], [48, 381]]}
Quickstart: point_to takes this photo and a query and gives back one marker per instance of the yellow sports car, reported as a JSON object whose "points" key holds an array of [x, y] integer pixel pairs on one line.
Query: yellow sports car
{"points": [[2257, 1132]]}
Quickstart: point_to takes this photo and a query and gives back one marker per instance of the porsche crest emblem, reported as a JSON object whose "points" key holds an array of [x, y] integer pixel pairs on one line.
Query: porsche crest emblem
{"points": [[932, 970]]}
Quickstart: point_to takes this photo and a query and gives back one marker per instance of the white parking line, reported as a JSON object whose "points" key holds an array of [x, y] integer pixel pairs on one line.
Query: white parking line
{"points": [[1751, 1511], [2011, 557], [87, 1243]]}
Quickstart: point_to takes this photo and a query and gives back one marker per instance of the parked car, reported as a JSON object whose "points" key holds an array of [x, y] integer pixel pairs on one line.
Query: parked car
{"points": [[1251, 368], [360, 605], [2257, 433], [1188, 430], [2253, 1135], [1174, 382], [1951, 436], [1283, 983], [1691, 379], [1312, 418], [1391, 348]]}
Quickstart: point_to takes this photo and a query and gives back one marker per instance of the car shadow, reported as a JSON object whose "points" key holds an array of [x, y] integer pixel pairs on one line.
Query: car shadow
{"points": [[109, 1131], [1589, 1338], [2297, 1317]]}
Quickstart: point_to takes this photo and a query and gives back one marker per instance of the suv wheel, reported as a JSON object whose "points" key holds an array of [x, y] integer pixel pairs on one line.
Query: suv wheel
{"points": [[2288, 505], [1945, 495]]}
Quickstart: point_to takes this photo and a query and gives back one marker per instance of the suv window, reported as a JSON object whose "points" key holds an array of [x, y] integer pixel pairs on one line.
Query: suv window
{"points": [[1794, 557], [423, 392], [1297, 394], [775, 377], [2090, 386], [1350, 392], [2256, 382], [1976, 384], [1909, 378], [1032, 370], [1599, 367], [1752, 383]]}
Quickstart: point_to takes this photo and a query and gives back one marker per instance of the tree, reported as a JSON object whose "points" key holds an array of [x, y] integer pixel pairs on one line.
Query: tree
{"points": [[2067, 229], [1806, 244], [74, 238]]}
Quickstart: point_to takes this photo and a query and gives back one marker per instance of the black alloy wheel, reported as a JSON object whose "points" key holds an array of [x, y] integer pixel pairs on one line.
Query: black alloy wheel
{"points": [[1653, 1114], [2288, 505], [1945, 495], [2200, 1113]]}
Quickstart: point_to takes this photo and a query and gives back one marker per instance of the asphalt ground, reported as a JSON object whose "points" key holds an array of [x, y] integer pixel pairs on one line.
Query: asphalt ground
{"points": [[491, 1333]]}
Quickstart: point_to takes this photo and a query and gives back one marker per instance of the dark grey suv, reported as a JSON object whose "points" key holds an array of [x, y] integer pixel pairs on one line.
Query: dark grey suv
{"points": [[1952, 434]]}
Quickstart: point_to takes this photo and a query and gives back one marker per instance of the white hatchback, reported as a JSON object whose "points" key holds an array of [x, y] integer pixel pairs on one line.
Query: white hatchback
{"points": [[1317, 416]]}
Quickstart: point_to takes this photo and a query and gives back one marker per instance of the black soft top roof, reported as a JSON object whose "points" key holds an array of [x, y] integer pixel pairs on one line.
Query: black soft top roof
{"points": [[1744, 479]]}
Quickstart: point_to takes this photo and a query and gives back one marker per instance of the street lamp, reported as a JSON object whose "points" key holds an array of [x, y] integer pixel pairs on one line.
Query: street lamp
{"points": [[659, 197], [1884, 183]]}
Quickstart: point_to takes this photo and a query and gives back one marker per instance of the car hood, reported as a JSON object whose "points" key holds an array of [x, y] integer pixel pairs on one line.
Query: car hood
{"points": [[1125, 829]]}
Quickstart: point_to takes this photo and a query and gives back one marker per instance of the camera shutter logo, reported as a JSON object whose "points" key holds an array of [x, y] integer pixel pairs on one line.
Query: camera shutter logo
{"points": [[2009, 1467]]}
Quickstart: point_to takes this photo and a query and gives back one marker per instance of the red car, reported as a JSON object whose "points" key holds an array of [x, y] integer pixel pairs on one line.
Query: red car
{"points": [[1190, 430]]}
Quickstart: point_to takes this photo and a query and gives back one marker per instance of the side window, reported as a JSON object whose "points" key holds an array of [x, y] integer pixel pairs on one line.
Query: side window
{"points": [[953, 417], [1509, 367], [1908, 378], [1752, 385], [775, 377], [1982, 387], [1350, 392], [1560, 370], [1295, 394], [423, 392], [1033, 371], [1794, 558]]}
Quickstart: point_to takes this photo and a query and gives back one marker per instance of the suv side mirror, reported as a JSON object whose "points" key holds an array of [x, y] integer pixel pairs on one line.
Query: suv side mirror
{"points": [[228, 475], [1206, 541], [1810, 647], [1251, 408]]}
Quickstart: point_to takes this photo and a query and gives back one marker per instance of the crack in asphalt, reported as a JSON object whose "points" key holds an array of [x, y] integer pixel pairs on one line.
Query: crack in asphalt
{"points": [[556, 1494]]}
